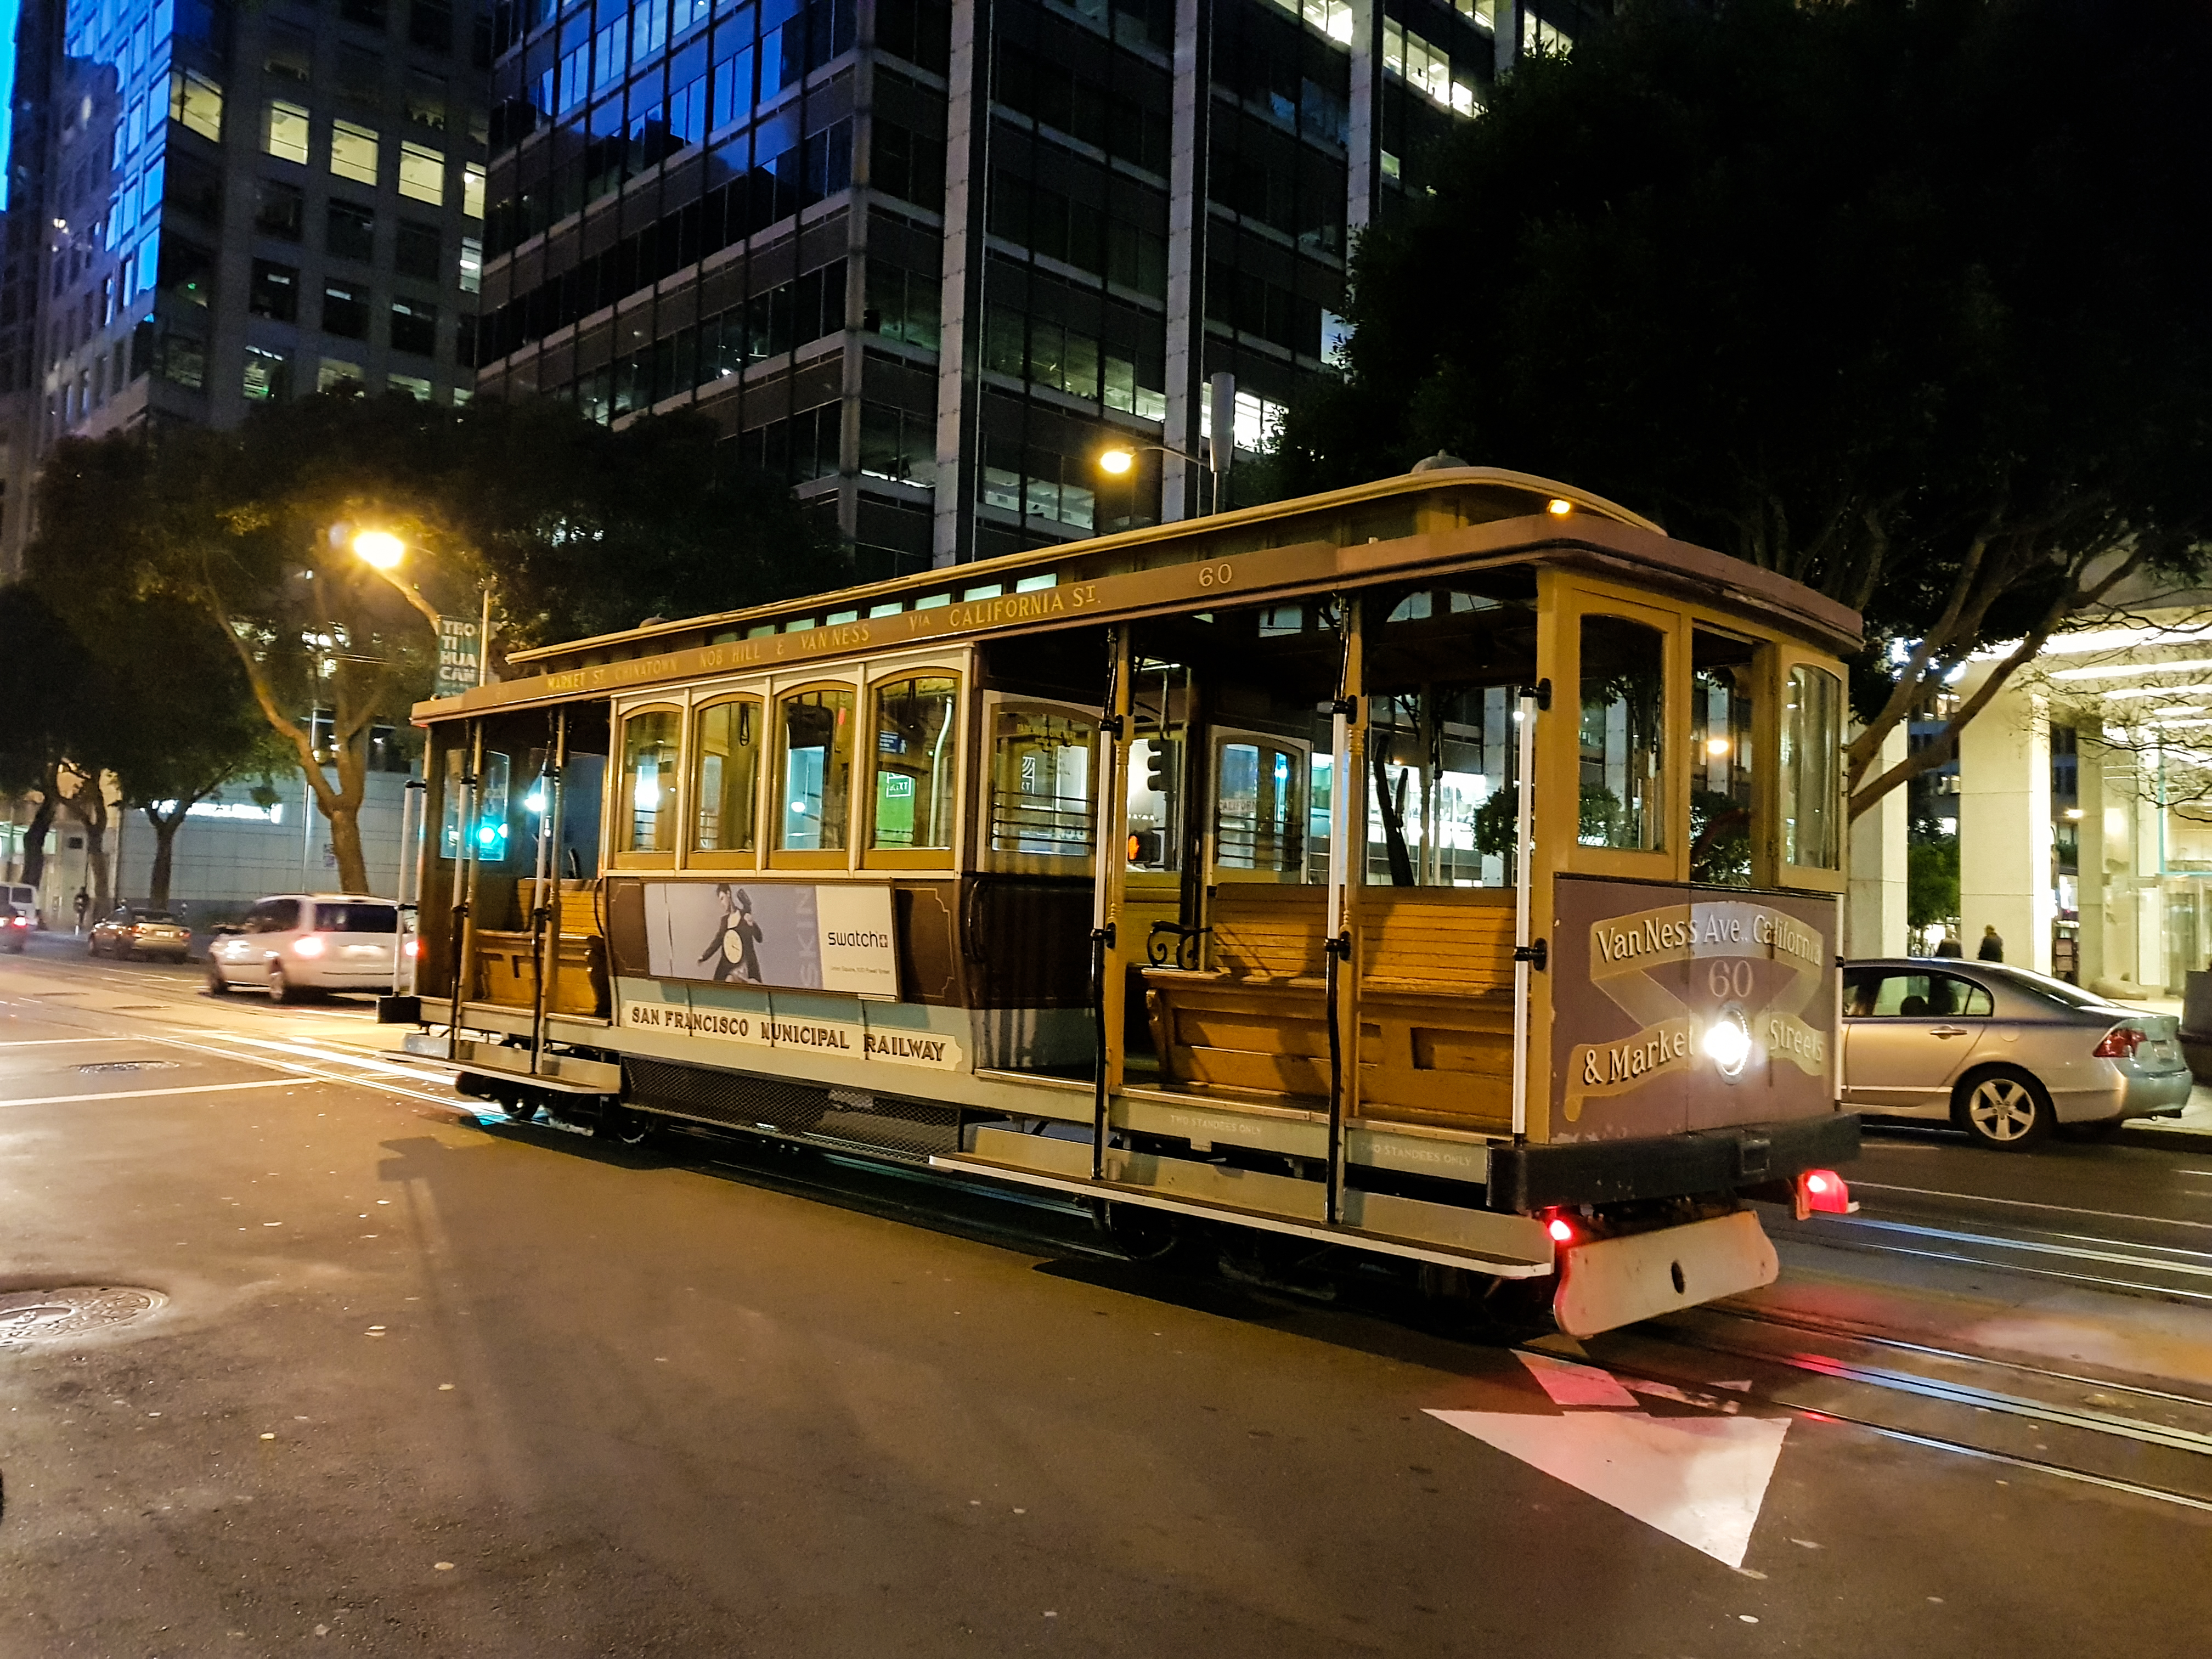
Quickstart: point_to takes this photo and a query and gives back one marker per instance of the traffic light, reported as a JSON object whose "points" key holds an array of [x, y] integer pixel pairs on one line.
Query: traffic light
{"points": [[1156, 779]]}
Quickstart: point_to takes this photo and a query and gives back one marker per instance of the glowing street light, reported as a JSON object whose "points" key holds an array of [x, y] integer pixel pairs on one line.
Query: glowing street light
{"points": [[1117, 461], [380, 548]]}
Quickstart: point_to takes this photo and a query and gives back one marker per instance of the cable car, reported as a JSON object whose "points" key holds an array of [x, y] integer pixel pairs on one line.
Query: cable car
{"points": [[1443, 871]]}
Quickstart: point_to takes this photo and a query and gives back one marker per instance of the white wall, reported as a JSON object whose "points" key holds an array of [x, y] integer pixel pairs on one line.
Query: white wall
{"points": [[224, 863], [1874, 911]]}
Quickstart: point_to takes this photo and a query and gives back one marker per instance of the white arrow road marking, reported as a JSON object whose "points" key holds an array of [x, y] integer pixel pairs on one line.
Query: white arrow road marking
{"points": [[1701, 1479], [1569, 1384]]}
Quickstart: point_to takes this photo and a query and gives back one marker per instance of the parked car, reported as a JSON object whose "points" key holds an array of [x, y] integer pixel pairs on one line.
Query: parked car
{"points": [[2003, 1053], [24, 898], [16, 923], [304, 942], [130, 932]]}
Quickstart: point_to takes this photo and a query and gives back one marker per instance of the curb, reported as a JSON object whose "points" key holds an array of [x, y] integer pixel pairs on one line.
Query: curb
{"points": [[2186, 1140]]}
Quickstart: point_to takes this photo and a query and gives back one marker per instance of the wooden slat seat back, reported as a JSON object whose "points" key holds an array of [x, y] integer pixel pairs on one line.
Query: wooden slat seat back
{"points": [[1266, 934]]}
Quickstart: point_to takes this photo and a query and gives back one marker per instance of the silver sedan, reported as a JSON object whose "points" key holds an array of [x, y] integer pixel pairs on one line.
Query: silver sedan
{"points": [[2003, 1053]]}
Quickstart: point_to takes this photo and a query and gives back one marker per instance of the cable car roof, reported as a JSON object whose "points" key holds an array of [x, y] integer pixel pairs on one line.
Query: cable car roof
{"points": [[1441, 516]]}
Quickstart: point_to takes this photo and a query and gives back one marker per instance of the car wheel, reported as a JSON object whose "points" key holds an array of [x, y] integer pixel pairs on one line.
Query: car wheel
{"points": [[2005, 1109], [280, 989], [216, 984]]}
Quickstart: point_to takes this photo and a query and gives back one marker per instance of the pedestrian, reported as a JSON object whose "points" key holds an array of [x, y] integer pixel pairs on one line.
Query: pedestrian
{"points": [[1949, 944], [83, 904], [1992, 947]]}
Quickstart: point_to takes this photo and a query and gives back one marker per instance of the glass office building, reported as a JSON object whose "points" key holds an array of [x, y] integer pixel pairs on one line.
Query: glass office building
{"points": [[245, 204], [927, 259]]}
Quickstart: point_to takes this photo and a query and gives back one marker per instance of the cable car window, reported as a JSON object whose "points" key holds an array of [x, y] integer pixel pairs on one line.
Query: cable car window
{"points": [[1723, 684], [916, 773], [1040, 782], [818, 770], [1812, 768], [1259, 819], [490, 805], [1159, 703], [649, 799], [1623, 784], [1440, 812], [729, 776]]}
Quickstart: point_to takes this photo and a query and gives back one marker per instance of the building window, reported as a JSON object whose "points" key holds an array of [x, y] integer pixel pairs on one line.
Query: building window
{"points": [[422, 174], [285, 130], [471, 264], [278, 209], [426, 98], [195, 104], [287, 52], [369, 14], [345, 311], [268, 376], [349, 230], [413, 385], [336, 372], [414, 327], [472, 191], [360, 75], [275, 292], [353, 151], [419, 252], [430, 24]]}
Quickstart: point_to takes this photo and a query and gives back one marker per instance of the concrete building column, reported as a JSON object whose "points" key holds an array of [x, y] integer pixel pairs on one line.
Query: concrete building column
{"points": [[1874, 911], [2004, 828], [2089, 855]]}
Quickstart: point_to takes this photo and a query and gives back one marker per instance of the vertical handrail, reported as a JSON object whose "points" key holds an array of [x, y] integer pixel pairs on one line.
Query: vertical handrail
{"points": [[1524, 958], [414, 808], [545, 919], [1105, 851], [464, 886], [1346, 787]]}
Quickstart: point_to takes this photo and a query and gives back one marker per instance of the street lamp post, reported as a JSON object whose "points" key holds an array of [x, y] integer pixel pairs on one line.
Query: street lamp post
{"points": [[1221, 448]]}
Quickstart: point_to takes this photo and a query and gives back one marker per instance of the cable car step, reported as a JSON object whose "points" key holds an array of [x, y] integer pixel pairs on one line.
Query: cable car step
{"points": [[1512, 1246], [568, 1074]]}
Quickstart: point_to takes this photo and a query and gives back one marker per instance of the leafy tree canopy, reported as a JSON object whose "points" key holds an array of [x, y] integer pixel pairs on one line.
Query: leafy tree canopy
{"points": [[245, 538], [1902, 300]]}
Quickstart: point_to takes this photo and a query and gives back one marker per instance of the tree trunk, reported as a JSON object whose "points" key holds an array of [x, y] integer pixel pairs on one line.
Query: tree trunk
{"points": [[35, 836], [95, 854], [165, 847], [345, 841]]}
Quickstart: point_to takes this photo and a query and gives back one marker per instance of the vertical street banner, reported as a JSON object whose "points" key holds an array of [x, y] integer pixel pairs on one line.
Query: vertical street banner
{"points": [[460, 650]]}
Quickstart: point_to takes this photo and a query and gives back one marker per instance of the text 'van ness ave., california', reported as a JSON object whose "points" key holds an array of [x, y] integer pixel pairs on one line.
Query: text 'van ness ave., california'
{"points": [[1729, 928]]}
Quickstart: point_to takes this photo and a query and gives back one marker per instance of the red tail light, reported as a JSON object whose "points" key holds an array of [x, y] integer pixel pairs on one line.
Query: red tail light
{"points": [[1822, 1191], [2121, 1043], [1561, 1230]]}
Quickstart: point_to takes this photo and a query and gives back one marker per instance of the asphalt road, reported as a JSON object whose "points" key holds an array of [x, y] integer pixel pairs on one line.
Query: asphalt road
{"points": [[422, 1383]]}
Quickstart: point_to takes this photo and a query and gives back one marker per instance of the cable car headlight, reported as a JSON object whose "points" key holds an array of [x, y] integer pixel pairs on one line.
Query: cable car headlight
{"points": [[1728, 1043]]}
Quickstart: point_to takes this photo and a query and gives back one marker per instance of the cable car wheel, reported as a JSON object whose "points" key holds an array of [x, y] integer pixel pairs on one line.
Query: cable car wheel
{"points": [[1139, 1232]]}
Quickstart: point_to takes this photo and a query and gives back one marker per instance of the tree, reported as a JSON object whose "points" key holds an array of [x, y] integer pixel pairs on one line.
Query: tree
{"points": [[46, 689], [1931, 875], [577, 527], [1902, 301]]}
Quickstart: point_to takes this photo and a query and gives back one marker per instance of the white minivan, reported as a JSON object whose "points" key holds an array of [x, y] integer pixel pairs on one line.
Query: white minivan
{"points": [[308, 942], [24, 898]]}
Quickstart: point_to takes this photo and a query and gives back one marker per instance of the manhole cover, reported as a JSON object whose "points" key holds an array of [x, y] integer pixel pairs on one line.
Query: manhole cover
{"points": [[130, 1066], [71, 1310]]}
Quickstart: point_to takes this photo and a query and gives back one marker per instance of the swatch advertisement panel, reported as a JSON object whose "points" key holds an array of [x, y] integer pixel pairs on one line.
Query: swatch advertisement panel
{"points": [[784, 935]]}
